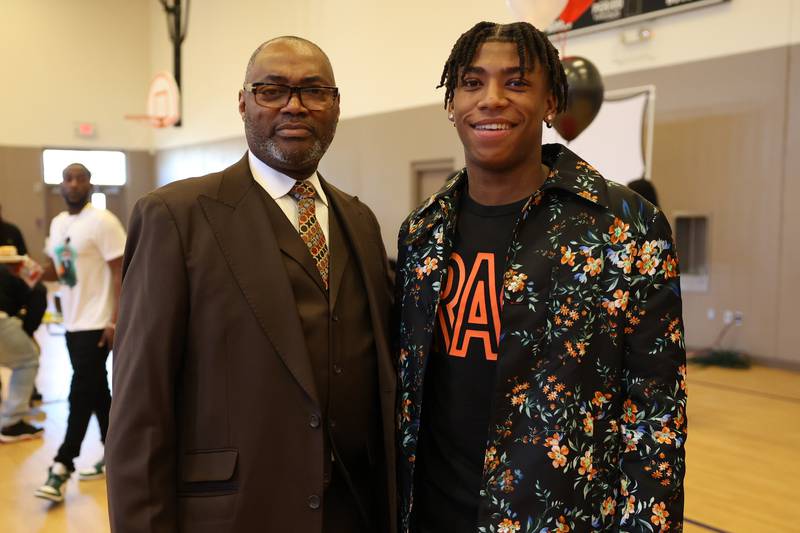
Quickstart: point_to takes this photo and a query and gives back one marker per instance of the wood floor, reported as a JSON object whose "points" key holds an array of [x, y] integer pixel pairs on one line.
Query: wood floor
{"points": [[23, 465], [742, 467]]}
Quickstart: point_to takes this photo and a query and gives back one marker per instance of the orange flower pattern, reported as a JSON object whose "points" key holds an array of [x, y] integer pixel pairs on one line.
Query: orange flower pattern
{"points": [[591, 434]]}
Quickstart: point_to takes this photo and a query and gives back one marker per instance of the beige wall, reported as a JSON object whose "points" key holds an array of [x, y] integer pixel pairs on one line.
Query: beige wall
{"points": [[73, 61], [22, 196], [66, 63], [102, 54], [141, 179], [197, 159], [721, 151], [788, 258], [388, 55]]}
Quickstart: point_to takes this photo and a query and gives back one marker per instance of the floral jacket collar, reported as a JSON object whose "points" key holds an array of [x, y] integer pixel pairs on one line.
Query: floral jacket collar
{"points": [[563, 175]]}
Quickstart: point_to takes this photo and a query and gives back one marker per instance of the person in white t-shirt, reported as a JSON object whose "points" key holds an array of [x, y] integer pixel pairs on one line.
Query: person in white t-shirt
{"points": [[86, 245]]}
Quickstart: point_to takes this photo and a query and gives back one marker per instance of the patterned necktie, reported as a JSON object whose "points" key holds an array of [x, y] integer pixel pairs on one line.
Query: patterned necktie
{"points": [[310, 230]]}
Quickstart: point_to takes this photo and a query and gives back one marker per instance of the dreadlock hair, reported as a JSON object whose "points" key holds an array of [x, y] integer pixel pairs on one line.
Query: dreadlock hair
{"points": [[531, 43]]}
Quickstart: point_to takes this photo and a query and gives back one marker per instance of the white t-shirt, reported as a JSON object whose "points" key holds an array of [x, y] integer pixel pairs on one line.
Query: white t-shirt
{"points": [[81, 246]]}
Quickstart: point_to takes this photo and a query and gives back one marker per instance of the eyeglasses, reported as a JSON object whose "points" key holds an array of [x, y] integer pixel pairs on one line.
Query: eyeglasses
{"points": [[277, 95]]}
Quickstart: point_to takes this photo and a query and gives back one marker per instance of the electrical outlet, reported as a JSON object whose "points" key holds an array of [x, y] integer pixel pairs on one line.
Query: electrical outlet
{"points": [[738, 318], [727, 317], [711, 313], [637, 35]]}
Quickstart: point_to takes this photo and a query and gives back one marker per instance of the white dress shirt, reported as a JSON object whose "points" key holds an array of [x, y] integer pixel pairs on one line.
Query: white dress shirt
{"points": [[278, 186]]}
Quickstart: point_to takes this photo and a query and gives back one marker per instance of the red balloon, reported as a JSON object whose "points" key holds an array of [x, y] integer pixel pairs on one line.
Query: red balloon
{"points": [[574, 10]]}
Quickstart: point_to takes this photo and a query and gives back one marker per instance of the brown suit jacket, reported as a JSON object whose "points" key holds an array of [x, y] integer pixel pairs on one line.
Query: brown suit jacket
{"points": [[215, 417]]}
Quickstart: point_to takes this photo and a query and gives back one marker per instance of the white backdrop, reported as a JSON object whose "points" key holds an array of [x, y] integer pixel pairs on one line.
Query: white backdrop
{"points": [[619, 141]]}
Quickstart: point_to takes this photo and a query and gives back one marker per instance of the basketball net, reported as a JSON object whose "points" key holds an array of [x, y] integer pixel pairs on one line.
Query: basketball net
{"points": [[163, 103]]}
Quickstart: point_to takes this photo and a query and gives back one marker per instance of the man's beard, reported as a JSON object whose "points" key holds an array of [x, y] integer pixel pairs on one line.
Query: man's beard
{"points": [[298, 158], [266, 149], [77, 204]]}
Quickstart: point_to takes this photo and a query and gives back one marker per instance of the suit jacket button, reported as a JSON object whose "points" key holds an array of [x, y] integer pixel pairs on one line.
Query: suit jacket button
{"points": [[313, 501], [337, 369], [314, 421]]}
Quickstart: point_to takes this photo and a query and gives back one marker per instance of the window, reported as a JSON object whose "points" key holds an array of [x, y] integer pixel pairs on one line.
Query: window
{"points": [[108, 167], [99, 200]]}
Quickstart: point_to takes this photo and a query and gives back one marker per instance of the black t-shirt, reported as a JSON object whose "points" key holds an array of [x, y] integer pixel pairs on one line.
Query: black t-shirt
{"points": [[12, 289], [460, 375], [10, 235]]}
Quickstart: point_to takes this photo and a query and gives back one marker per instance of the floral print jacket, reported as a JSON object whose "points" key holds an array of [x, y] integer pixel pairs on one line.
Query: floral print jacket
{"points": [[588, 420]]}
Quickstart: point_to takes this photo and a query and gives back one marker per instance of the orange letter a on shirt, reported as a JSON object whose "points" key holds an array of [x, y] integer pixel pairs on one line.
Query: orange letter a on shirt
{"points": [[472, 312]]}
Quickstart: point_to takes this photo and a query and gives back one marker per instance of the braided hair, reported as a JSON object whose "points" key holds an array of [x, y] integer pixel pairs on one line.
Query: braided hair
{"points": [[531, 43]]}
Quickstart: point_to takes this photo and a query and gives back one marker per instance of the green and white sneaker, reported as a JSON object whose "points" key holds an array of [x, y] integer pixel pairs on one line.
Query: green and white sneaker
{"points": [[98, 471], [55, 486]]}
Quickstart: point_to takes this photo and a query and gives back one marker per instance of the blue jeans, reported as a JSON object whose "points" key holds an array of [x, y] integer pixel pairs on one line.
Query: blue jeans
{"points": [[19, 353]]}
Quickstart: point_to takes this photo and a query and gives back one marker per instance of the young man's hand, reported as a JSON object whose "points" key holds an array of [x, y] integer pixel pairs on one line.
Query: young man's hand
{"points": [[107, 338]]}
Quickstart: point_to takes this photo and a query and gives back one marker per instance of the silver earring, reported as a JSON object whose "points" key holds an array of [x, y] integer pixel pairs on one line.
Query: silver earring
{"points": [[549, 121], [451, 117]]}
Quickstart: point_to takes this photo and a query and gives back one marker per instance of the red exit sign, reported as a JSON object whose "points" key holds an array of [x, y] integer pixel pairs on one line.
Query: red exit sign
{"points": [[85, 129]]}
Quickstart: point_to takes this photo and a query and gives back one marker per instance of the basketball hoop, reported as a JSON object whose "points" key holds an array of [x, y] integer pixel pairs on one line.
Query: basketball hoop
{"points": [[163, 102]]}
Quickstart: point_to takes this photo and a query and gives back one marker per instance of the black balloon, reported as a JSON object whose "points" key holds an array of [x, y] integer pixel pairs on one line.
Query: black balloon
{"points": [[584, 97]]}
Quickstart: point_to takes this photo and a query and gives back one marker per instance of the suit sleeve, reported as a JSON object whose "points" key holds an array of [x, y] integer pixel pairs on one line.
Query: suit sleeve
{"points": [[388, 274], [141, 444], [654, 412]]}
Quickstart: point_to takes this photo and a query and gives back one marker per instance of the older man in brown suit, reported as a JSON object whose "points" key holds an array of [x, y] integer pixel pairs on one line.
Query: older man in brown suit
{"points": [[253, 387]]}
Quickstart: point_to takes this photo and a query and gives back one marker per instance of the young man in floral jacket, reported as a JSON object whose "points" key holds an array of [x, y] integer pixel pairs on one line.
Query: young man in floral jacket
{"points": [[539, 328]]}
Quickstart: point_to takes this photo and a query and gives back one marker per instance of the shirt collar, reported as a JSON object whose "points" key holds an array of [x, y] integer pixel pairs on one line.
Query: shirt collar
{"points": [[570, 173], [278, 184]]}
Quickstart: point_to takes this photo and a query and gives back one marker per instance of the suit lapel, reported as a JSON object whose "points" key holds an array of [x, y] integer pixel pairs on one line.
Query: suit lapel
{"points": [[358, 234], [289, 240], [339, 255], [244, 233]]}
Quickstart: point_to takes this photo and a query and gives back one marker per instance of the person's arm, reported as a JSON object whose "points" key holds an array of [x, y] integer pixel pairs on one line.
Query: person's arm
{"points": [[49, 273], [107, 339], [110, 240], [654, 416], [151, 337]]}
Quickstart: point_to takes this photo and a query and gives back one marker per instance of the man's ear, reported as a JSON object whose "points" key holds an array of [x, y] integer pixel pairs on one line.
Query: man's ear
{"points": [[241, 103], [551, 106]]}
